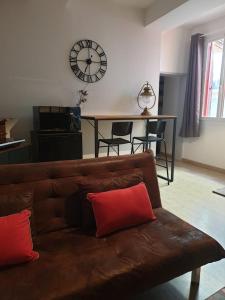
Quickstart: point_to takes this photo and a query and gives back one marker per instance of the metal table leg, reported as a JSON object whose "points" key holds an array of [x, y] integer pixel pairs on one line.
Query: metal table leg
{"points": [[173, 149], [146, 134], [96, 137]]}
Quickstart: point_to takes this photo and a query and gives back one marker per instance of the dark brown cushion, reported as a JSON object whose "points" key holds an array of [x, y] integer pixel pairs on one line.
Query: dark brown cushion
{"points": [[16, 201], [102, 185]]}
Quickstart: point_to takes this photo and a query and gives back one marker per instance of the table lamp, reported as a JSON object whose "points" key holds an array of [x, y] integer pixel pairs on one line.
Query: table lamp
{"points": [[146, 99]]}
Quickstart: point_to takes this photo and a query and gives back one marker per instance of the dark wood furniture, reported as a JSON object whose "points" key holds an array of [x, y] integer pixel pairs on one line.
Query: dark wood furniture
{"points": [[56, 133], [16, 155], [52, 146], [97, 118], [56, 118]]}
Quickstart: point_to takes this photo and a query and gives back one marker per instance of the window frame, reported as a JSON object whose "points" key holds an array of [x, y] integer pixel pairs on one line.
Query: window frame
{"points": [[221, 97]]}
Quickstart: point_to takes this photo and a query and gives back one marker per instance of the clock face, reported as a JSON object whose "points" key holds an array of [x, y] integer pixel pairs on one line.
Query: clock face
{"points": [[88, 61]]}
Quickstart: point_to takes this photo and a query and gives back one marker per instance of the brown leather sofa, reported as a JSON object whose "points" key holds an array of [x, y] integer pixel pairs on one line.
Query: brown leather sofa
{"points": [[75, 265]]}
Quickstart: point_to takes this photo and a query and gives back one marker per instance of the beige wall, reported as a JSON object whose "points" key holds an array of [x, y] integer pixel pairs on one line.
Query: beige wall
{"points": [[36, 37], [175, 51]]}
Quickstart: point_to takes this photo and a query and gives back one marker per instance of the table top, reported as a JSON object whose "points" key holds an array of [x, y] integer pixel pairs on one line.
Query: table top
{"points": [[127, 117]]}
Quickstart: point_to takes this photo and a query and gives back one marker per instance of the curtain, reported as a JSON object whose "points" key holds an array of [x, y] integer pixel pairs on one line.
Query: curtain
{"points": [[192, 104]]}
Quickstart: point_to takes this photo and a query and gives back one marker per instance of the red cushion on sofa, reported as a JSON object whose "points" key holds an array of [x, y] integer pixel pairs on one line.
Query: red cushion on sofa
{"points": [[121, 208], [15, 239], [97, 185]]}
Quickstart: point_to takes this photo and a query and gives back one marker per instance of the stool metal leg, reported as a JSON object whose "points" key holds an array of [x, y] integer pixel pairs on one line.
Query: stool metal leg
{"points": [[108, 150], [98, 147], [167, 167], [132, 148]]}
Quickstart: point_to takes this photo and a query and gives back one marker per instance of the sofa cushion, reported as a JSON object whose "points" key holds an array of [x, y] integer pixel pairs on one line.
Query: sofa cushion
{"points": [[15, 201], [55, 185], [101, 185], [121, 208], [76, 266]]}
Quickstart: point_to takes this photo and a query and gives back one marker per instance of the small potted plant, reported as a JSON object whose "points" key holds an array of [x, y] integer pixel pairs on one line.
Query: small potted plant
{"points": [[75, 112], [82, 97]]}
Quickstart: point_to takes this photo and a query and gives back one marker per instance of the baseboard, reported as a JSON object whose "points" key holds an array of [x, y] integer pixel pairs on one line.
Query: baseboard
{"points": [[111, 153], [201, 165]]}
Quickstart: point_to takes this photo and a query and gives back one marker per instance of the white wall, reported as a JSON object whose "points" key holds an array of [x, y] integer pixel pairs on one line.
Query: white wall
{"points": [[36, 37], [210, 147], [175, 51]]}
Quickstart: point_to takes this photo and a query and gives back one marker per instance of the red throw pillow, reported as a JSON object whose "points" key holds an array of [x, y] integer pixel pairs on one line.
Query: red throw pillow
{"points": [[15, 239], [98, 185], [121, 208]]}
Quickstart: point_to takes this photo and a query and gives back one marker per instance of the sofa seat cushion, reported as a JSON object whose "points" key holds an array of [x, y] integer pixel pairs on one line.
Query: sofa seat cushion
{"points": [[76, 266]]}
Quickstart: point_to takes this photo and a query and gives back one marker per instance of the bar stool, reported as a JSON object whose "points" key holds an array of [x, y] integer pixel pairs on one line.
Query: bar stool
{"points": [[158, 129], [118, 129]]}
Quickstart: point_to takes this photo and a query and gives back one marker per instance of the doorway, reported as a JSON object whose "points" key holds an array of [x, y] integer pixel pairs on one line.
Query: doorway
{"points": [[171, 102]]}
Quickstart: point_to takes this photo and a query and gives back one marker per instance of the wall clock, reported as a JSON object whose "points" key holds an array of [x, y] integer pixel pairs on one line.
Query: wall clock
{"points": [[88, 61]]}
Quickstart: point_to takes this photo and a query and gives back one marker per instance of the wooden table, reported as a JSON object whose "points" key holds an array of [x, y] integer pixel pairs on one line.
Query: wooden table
{"points": [[97, 118]]}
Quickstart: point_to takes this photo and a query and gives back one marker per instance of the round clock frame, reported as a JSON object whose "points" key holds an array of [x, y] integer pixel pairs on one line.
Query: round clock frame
{"points": [[88, 61]]}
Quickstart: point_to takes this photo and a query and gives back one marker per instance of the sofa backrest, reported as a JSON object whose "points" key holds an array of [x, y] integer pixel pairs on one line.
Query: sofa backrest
{"points": [[55, 184]]}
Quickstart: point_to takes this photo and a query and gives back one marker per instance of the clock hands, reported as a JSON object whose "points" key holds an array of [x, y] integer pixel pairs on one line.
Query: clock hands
{"points": [[86, 68], [93, 61], [88, 61]]}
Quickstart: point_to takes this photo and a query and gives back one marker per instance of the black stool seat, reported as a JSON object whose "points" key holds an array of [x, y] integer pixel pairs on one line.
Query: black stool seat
{"points": [[114, 141], [150, 139]]}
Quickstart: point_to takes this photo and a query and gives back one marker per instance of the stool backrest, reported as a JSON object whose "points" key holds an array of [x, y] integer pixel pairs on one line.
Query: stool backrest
{"points": [[157, 127], [122, 128]]}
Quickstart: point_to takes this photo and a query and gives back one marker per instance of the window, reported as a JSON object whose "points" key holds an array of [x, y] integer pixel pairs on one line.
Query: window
{"points": [[214, 88]]}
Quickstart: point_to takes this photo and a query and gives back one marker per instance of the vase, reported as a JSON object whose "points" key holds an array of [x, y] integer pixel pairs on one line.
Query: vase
{"points": [[75, 123]]}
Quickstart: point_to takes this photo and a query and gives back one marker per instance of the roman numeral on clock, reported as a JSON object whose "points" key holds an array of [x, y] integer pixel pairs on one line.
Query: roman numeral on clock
{"points": [[73, 59], [81, 76], [89, 78], [75, 68], [101, 71], [81, 45], [103, 63], [74, 50], [89, 43]]}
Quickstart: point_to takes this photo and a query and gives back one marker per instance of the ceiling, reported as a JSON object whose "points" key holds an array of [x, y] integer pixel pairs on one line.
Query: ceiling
{"points": [[134, 3], [209, 16]]}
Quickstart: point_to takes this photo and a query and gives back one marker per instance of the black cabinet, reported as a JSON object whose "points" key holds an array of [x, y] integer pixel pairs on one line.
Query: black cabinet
{"points": [[52, 146], [16, 155]]}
